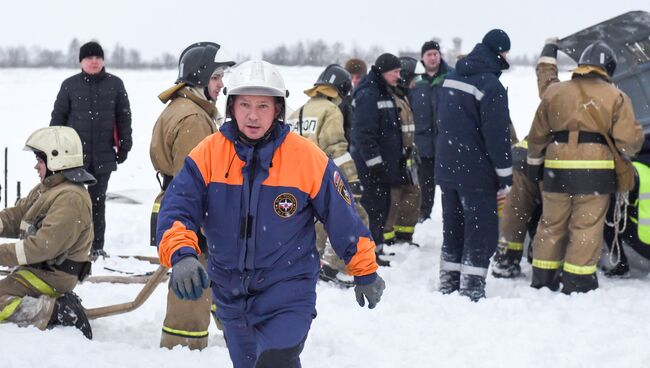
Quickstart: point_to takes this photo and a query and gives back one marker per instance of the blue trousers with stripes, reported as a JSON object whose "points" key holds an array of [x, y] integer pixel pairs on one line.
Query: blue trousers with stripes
{"points": [[470, 228]]}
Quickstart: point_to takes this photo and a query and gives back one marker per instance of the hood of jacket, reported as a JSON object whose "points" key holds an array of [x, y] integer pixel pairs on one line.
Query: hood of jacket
{"points": [[481, 60]]}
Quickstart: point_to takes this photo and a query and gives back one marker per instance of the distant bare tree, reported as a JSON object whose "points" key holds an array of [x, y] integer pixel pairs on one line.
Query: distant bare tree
{"points": [[72, 58], [118, 57], [49, 58], [17, 57], [317, 53], [133, 59]]}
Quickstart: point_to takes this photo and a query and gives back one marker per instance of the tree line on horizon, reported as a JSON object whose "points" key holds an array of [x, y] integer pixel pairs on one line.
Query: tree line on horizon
{"points": [[301, 53]]}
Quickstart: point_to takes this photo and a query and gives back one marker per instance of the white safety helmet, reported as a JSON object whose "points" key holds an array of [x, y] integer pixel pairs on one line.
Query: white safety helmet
{"points": [[60, 144], [256, 78]]}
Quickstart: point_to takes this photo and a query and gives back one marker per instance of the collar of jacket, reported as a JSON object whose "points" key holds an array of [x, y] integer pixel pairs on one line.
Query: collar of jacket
{"points": [[443, 69], [91, 78], [481, 60], [244, 150], [375, 79], [584, 70], [52, 181], [198, 97], [324, 90], [170, 92]]}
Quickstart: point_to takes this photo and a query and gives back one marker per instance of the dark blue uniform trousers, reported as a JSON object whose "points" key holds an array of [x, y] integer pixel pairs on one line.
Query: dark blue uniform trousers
{"points": [[277, 338], [470, 230]]}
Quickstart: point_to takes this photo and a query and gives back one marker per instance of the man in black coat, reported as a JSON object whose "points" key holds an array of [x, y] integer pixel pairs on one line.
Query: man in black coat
{"points": [[377, 137], [96, 105]]}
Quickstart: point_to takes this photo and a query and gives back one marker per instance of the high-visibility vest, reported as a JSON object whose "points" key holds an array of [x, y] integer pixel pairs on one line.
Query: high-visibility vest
{"points": [[643, 202]]}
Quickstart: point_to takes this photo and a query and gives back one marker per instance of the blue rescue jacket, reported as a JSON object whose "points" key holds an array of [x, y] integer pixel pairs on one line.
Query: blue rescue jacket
{"points": [[473, 141], [256, 207]]}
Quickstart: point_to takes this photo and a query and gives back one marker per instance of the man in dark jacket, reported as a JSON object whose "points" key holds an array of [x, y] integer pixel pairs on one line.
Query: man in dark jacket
{"points": [[472, 163], [377, 137], [423, 103], [96, 105]]}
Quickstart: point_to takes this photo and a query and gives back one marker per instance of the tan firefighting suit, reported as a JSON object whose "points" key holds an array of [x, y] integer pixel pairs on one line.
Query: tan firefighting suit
{"points": [[185, 122], [54, 224], [405, 199], [322, 123], [525, 195], [578, 174]]}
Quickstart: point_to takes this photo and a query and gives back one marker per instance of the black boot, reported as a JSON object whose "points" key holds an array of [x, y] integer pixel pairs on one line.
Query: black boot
{"points": [[506, 264], [572, 283], [449, 281], [379, 251], [68, 311], [621, 270], [381, 262], [472, 286], [406, 238], [549, 278], [328, 274]]}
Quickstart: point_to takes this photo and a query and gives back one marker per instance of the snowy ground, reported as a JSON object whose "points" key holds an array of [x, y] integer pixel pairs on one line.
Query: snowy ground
{"points": [[413, 326]]}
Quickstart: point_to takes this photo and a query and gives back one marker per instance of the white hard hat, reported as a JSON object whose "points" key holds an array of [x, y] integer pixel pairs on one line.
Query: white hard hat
{"points": [[257, 78], [60, 144]]}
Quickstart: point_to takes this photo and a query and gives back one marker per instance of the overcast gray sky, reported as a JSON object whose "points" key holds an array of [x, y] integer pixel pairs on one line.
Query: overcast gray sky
{"points": [[251, 26]]}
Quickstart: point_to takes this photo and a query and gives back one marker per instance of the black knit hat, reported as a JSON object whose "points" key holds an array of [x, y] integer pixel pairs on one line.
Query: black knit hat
{"points": [[497, 40], [429, 45], [387, 62], [91, 48]]}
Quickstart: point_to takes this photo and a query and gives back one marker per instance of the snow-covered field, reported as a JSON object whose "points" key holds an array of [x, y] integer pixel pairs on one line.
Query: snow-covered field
{"points": [[413, 326]]}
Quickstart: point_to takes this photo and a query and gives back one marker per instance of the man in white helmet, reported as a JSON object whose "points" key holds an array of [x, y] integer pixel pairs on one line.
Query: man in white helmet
{"points": [[54, 228], [254, 190], [190, 116]]}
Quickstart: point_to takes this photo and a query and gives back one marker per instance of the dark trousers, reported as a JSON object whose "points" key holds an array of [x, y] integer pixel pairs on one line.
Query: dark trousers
{"points": [[98, 197], [470, 227], [427, 186], [376, 201]]}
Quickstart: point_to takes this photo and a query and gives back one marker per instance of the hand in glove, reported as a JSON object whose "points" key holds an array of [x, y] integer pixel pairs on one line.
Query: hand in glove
{"points": [[377, 171], [372, 292], [189, 278], [550, 48], [121, 156]]}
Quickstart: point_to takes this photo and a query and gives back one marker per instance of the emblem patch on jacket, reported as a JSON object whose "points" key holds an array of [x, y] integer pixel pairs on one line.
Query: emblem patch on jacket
{"points": [[285, 205], [339, 184]]}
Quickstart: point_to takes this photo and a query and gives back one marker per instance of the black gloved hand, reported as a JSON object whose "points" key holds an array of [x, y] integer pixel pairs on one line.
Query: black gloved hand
{"points": [[377, 171], [372, 292], [121, 156], [550, 48], [356, 188], [188, 279]]}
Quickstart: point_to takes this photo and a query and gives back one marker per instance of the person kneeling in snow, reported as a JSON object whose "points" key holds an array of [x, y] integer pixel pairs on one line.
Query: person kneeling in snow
{"points": [[254, 189], [54, 224]]}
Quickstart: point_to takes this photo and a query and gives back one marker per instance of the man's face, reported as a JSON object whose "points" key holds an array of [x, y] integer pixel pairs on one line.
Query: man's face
{"points": [[215, 85], [504, 55], [431, 60], [356, 78], [92, 64], [41, 168], [255, 114], [392, 76]]}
